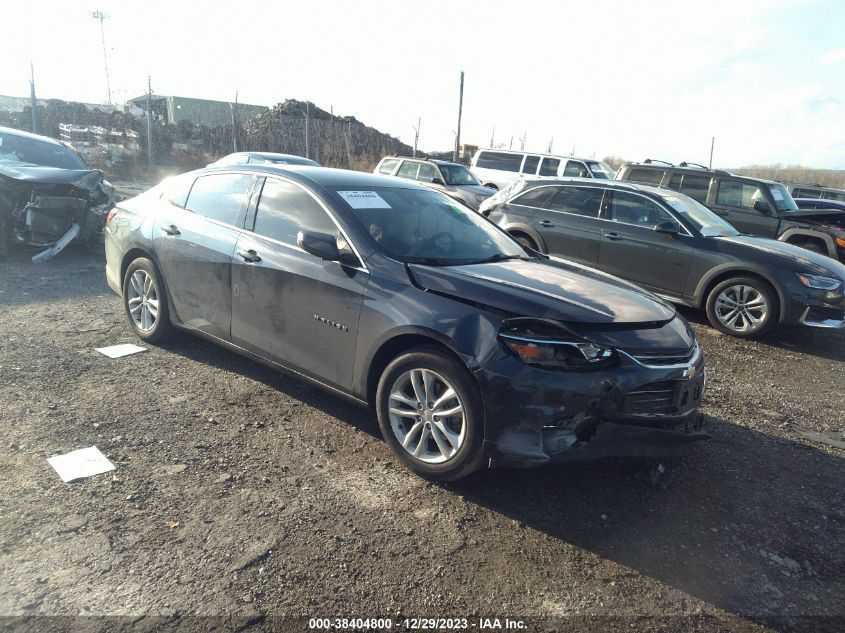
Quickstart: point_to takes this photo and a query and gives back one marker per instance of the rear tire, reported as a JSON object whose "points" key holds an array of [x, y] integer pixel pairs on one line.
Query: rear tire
{"points": [[145, 301], [745, 307], [415, 391]]}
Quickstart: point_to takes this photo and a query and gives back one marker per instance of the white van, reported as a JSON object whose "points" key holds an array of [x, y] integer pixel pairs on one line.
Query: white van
{"points": [[497, 168]]}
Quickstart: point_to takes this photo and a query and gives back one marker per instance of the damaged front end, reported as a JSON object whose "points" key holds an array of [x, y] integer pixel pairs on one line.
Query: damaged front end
{"points": [[559, 392], [49, 207]]}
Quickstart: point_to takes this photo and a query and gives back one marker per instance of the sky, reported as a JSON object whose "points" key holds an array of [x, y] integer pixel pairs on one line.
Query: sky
{"points": [[631, 79]]}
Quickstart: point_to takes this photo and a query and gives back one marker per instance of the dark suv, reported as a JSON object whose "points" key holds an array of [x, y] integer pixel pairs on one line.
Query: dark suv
{"points": [[816, 191], [752, 205], [678, 248]]}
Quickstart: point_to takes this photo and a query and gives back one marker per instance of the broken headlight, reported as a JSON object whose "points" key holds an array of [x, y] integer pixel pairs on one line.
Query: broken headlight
{"points": [[554, 352]]}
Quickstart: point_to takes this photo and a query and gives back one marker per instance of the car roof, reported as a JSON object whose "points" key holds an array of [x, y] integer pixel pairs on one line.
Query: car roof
{"points": [[321, 176], [36, 137], [436, 161], [698, 170], [541, 154], [622, 185]]}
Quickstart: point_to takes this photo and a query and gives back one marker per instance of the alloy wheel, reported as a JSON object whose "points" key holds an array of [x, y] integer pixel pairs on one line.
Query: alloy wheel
{"points": [[427, 416], [741, 308], [142, 299]]}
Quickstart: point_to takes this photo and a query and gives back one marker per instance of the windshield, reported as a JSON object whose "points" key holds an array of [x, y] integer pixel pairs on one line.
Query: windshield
{"points": [[458, 175], [700, 216], [29, 150], [783, 200], [427, 227], [600, 170]]}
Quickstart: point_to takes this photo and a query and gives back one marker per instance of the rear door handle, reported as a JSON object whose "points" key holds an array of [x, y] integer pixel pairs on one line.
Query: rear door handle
{"points": [[171, 229], [249, 256], [545, 223], [613, 235]]}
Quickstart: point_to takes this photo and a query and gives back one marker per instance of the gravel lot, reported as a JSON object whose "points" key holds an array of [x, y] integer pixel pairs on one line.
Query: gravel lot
{"points": [[242, 493]]}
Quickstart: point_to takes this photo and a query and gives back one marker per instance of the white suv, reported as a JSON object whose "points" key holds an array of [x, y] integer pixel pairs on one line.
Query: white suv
{"points": [[497, 168]]}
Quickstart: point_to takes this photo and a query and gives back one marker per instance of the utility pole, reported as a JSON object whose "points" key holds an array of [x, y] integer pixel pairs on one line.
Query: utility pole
{"points": [[551, 142], [522, 141], [32, 100], [149, 122], [347, 138], [712, 143], [416, 134], [460, 112], [99, 15], [511, 145], [493, 136], [235, 123]]}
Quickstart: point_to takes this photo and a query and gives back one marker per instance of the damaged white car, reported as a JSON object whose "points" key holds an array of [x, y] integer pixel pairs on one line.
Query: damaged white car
{"points": [[49, 197]]}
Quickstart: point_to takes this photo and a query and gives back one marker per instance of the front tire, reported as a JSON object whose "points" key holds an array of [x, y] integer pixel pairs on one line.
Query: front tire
{"points": [[145, 301], [523, 239], [430, 413], [745, 307]]}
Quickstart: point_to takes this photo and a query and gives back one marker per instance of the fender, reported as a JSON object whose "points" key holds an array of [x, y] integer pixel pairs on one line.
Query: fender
{"points": [[530, 232], [739, 269], [827, 239]]}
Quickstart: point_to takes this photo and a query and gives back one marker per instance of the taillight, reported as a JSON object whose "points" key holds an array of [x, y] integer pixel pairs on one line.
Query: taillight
{"points": [[111, 214]]}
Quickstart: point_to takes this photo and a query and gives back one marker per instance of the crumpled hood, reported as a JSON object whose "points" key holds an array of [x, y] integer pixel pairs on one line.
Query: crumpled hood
{"points": [[87, 179], [552, 290]]}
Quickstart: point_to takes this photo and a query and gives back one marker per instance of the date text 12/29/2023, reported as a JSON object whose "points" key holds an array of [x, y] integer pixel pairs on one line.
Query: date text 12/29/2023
{"points": [[415, 624]]}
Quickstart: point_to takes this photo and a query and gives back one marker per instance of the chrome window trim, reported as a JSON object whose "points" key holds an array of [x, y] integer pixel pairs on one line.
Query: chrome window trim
{"points": [[686, 232], [575, 215]]}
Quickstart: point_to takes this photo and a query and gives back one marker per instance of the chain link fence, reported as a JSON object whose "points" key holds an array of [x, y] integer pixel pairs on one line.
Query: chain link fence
{"points": [[129, 145]]}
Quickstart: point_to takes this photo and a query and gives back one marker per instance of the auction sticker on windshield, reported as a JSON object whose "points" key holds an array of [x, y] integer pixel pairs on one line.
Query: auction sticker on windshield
{"points": [[364, 200]]}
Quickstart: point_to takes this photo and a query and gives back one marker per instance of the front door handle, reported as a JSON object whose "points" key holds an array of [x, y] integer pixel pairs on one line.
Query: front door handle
{"points": [[250, 256], [613, 235], [545, 223], [171, 229]]}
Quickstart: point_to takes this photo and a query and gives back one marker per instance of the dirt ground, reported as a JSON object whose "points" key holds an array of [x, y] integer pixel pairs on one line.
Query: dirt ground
{"points": [[246, 499]]}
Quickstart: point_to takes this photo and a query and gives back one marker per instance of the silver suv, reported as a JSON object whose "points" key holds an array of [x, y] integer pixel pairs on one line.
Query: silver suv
{"points": [[453, 179]]}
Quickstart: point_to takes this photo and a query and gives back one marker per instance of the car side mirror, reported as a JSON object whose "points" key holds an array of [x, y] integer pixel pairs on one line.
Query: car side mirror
{"points": [[437, 181], [762, 206], [320, 245], [667, 228]]}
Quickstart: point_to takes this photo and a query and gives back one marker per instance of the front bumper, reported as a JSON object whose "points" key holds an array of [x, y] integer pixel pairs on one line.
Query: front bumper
{"points": [[816, 308], [537, 416]]}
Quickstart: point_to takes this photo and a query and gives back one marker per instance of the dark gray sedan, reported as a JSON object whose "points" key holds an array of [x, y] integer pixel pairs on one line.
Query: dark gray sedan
{"points": [[470, 349], [677, 248]]}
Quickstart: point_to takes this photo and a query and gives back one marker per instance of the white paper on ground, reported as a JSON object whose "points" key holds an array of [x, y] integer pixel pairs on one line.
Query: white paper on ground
{"points": [[124, 349], [81, 463], [364, 200]]}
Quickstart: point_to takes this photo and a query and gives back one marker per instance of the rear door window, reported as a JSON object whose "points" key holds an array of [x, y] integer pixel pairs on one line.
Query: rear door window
{"points": [[696, 187], [584, 201], [530, 166], [549, 166], [537, 197], [387, 166], [408, 170], [285, 209], [675, 182], [646, 176], [499, 160], [220, 197], [833, 195], [175, 190]]}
